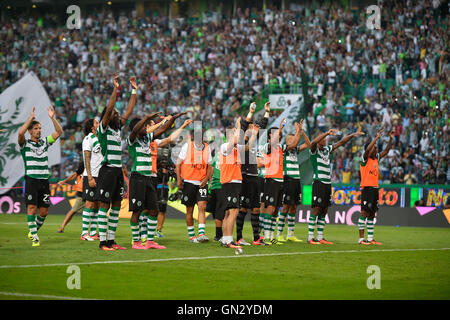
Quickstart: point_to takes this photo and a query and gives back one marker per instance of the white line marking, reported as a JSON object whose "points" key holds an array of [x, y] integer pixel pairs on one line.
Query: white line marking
{"points": [[25, 223], [17, 294], [216, 257]]}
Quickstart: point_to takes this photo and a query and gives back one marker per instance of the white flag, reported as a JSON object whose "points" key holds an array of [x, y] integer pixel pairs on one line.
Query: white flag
{"points": [[291, 114], [16, 103]]}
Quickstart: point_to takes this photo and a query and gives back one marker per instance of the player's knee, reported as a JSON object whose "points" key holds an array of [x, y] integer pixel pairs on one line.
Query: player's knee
{"points": [[135, 217], [43, 212], [202, 206]]}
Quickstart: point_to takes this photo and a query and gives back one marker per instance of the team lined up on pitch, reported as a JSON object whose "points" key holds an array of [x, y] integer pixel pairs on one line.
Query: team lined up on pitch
{"points": [[228, 179]]}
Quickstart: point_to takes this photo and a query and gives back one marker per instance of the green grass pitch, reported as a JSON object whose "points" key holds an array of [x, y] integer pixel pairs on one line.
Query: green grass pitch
{"points": [[414, 263]]}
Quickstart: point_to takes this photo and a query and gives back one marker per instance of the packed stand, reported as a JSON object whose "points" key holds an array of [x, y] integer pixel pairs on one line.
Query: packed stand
{"points": [[395, 77]]}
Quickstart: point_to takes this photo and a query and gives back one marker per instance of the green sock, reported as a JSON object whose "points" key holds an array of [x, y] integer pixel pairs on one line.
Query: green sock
{"points": [[320, 227], [369, 229], [281, 222], [267, 225], [134, 231], [93, 222], [143, 225], [85, 221], [39, 221], [152, 222], [361, 223], [191, 231], [113, 222], [291, 224], [272, 226], [102, 223], [201, 229], [311, 226], [31, 221]]}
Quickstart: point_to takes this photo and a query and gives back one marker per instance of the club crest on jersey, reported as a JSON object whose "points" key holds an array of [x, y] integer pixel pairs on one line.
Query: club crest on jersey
{"points": [[325, 155], [96, 149], [38, 150]]}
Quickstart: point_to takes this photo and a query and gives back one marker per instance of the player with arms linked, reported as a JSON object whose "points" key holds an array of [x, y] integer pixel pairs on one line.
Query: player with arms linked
{"points": [[321, 155]]}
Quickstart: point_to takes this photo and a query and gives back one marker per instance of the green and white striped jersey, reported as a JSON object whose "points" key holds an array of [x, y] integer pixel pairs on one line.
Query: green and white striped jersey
{"points": [[35, 157], [291, 165], [111, 143], [140, 152], [321, 162]]}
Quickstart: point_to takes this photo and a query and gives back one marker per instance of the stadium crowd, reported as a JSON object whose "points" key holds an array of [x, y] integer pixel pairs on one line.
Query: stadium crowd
{"points": [[394, 77]]}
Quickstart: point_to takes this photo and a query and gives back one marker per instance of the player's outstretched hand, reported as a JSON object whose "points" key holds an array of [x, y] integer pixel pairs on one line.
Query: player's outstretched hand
{"points": [[33, 114], [267, 106], [153, 115], [252, 107], [187, 122], [391, 134], [180, 114], [133, 82], [359, 132], [51, 112], [379, 133], [116, 81]]}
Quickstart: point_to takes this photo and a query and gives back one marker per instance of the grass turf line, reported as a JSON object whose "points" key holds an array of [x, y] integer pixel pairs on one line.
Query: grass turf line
{"points": [[404, 274]]}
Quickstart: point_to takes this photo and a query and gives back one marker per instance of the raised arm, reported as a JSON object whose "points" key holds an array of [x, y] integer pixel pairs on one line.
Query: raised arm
{"points": [[347, 139], [58, 129], [265, 120], [252, 140], [25, 126], [139, 126], [385, 151], [306, 144], [314, 143], [174, 136], [282, 124], [236, 137], [112, 101], [251, 111], [159, 124], [168, 125], [371, 145], [298, 134], [132, 102]]}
